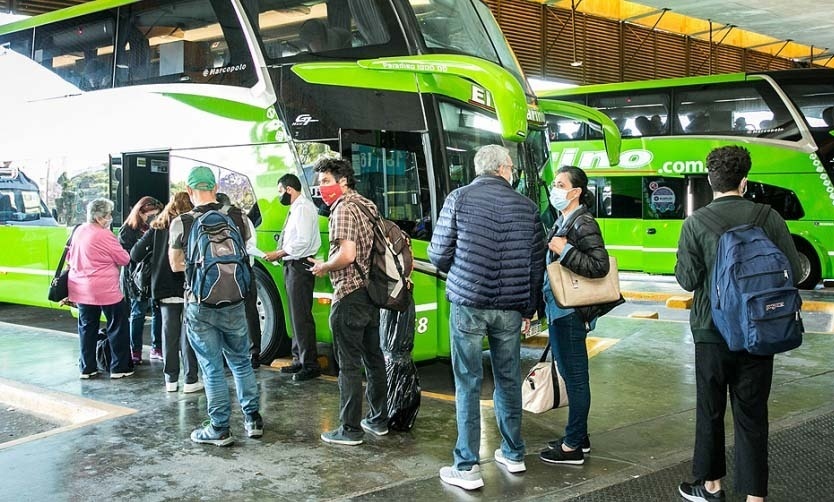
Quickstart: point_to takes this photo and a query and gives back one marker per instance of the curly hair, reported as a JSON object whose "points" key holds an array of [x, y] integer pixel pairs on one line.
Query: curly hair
{"points": [[180, 203], [339, 169], [727, 166]]}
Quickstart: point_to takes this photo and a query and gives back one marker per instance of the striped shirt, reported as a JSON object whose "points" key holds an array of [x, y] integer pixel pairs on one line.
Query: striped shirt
{"points": [[348, 222]]}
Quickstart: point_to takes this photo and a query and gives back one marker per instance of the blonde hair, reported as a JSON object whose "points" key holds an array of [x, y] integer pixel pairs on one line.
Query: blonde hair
{"points": [[180, 203]]}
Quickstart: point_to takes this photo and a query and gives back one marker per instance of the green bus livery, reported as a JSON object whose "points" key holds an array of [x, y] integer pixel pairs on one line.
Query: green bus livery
{"points": [[120, 98], [784, 118]]}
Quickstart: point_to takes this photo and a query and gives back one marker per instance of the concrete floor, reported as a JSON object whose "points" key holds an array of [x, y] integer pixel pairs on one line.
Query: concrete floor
{"points": [[642, 420]]}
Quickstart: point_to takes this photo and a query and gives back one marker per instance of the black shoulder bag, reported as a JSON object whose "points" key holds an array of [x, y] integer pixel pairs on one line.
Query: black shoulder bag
{"points": [[59, 288]]}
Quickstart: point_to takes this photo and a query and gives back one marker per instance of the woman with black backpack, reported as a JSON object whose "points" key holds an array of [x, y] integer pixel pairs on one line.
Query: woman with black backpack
{"points": [[135, 225], [167, 291]]}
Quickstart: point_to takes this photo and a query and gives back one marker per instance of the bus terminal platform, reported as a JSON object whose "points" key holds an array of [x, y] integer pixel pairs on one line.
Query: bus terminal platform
{"points": [[128, 439]]}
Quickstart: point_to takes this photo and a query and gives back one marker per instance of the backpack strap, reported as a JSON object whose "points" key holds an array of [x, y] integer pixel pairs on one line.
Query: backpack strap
{"points": [[713, 221], [762, 212], [366, 212]]}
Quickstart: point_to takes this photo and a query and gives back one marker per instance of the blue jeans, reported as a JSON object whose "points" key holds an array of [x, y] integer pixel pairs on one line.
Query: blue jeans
{"points": [[216, 333], [469, 326], [567, 343], [138, 308], [89, 318]]}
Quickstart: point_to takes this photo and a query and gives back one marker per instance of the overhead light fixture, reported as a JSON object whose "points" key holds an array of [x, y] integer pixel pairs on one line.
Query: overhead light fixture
{"points": [[576, 64]]}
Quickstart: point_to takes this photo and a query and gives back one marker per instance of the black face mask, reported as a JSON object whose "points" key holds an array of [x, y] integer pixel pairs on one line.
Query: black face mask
{"points": [[285, 199]]}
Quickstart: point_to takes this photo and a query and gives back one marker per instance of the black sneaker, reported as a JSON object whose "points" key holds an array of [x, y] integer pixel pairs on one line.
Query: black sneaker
{"points": [[557, 443], [697, 492], [254, 425], [292, 368], [306, 374], [209, 435], [255, 360], [560, 456]]}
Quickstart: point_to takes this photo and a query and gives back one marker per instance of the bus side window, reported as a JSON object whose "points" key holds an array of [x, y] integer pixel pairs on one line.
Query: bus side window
{"points": [[621, 197], [663, 198], [636, 114], [71, 49]]}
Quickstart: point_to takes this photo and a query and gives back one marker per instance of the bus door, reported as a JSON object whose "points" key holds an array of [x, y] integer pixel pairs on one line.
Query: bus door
{"points": [[620, 218], [664, 203], [392, 171], [144, 173]]}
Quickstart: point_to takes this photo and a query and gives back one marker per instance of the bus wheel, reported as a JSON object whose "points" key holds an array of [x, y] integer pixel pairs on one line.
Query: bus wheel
{"points": [[810, 265], [274, 339]]}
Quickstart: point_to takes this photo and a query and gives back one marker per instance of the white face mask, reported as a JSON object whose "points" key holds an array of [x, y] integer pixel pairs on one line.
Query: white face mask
{"points": [[106, 222], [559, 198]]}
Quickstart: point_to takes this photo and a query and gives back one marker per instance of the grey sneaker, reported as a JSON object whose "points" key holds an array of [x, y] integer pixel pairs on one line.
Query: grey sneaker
{"points": [[376, 430], [511, 465], [338, 437], [468, 480], [254, 425], [209, 435]]}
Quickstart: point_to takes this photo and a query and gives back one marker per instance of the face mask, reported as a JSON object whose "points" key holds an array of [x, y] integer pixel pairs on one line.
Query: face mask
{"points": [[107, 222], [559, 198], [285, 199], [330, 193], [151, 218]]}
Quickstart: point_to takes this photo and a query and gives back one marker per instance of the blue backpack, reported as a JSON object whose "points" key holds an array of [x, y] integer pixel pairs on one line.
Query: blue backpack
{"points": [[755, 305], [217, 269]]}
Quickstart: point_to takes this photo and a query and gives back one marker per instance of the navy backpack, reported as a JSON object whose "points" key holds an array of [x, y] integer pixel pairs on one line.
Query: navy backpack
{"points": [[755, 305]]}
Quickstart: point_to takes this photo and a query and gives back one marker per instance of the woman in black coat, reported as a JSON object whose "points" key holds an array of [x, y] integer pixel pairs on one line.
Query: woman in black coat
{"points": [[576, 243], [167, 290]]}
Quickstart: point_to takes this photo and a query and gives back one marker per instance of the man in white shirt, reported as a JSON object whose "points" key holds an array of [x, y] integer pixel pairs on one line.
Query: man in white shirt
{"points": [[299, 240]]}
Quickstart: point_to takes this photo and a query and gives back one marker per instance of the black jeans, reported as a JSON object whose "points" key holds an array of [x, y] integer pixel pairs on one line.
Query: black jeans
{"points": [[354, 322], [253, 319], [118, 334], [300, 282], [749, 379]]}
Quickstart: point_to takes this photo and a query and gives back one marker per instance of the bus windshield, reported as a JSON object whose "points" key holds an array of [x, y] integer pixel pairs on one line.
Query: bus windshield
{"points": [[468, 27]]}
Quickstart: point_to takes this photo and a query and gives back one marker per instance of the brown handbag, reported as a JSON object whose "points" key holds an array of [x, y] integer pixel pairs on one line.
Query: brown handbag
{"points": [[573, 290]]}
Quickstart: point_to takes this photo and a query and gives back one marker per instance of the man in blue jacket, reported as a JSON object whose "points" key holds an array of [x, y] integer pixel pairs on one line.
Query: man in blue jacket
{"points": [[489, 240]]}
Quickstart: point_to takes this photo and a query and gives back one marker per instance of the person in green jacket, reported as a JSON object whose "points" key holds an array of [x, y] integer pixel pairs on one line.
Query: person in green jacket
{"points": [[748, 377]]}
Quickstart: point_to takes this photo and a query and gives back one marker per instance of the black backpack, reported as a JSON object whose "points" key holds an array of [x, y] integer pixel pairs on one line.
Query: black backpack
{"points": [[389, 280]]}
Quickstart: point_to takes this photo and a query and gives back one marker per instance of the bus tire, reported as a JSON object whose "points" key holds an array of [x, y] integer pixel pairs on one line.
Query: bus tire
{"points": [[811, 271], [275, 342]]}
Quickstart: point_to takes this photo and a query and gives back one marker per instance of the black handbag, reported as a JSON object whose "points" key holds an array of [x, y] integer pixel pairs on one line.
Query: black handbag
{"points": [[59, 288]]}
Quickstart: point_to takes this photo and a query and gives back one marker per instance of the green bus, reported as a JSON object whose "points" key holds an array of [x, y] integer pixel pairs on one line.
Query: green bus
{"points": [[120, 98], [785, 119]]}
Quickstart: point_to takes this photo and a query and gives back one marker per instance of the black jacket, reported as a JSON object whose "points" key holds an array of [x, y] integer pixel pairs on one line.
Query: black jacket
{"points": [[164, 282], [128, 237], [489, 240], [587, 255]]}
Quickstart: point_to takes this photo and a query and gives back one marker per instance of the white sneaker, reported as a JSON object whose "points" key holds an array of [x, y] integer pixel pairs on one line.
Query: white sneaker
{"points": [[120, 375], [511, 465], [170, 386], [192, 387], [87, 376], [468, 480]]}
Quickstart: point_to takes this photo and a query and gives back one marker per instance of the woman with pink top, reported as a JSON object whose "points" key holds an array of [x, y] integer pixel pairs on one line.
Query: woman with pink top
{"points": [[94, 258]]}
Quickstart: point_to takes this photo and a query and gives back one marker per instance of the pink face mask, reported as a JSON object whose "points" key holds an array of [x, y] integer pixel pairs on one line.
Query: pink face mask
{"points": [[330, 193]]}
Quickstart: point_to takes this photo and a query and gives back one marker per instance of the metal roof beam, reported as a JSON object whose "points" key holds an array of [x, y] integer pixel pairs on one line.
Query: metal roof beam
{"points": [[648, 14]]}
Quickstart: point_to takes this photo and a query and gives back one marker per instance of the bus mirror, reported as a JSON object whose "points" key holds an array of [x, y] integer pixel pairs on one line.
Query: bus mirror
{"points": [[54, 214], [610, 132]]}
